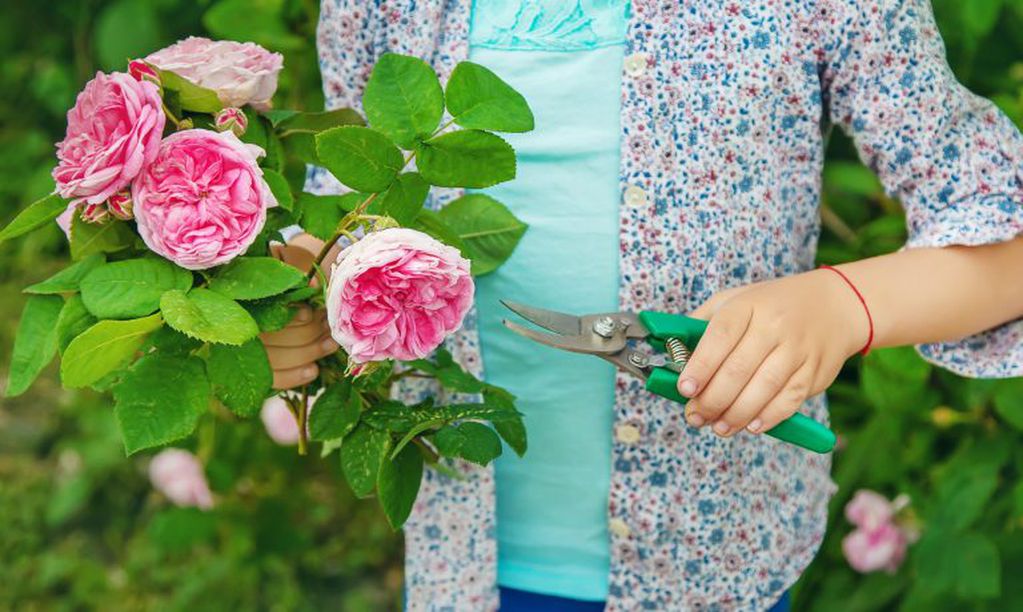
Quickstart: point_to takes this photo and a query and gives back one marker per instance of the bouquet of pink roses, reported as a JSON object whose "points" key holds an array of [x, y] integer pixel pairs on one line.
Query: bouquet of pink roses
{"points": [[173, 184]]}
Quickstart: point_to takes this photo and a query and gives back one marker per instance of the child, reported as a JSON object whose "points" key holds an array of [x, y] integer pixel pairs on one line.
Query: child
{"points": [[675, 166]]}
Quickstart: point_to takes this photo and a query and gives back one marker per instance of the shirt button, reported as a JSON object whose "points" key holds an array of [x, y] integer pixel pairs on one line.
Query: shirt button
{"points": [[618, 528], [627, 434], [635, 65], [635, 197]]}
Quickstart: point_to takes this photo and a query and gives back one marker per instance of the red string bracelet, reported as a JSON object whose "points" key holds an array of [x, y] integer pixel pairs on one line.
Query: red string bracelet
{"points": [[866, 309]]}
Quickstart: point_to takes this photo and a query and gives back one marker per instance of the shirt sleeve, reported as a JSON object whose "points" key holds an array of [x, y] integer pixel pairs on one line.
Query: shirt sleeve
{"points": [[952, 158]]}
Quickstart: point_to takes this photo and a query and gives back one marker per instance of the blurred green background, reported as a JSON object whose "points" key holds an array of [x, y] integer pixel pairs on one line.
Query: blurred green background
{"points": [[80, 527]]}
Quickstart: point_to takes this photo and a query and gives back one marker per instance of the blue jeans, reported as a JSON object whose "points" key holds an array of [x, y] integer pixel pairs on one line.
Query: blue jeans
{"points": [[513, 600]]}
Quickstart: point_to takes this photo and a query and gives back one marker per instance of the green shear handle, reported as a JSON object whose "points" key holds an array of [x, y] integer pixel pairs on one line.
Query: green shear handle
{"points": [[798, 429]]}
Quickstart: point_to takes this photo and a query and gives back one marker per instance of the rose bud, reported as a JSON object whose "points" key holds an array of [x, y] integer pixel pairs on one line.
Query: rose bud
{"points": [[143, 72], [120, 206], [180, 476], [233, 119], [95, 213]]}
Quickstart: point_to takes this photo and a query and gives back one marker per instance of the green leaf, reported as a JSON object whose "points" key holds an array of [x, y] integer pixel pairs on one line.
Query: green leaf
{"points": [[171, 342], [473, 442], [68, 279], [965, 564], [208, 316], [429, 222], [322, 213], [74, 319], [103, 348], [252, 278], [160, 400], [486, 228], [448, 373], [403, 99], [191, 97], [403, 199], [271, 314], [126, 29], [35, 343], [1007, 402], [90, 238], [981, 16], [241, 376], [131, 288], [398, 417], [361, 158], [478, 98], [362, 453], [894, 380], [261, 21], [312, 123], [280, 188], [466, 158], [398, 485], [36, 215], [335, 413]]}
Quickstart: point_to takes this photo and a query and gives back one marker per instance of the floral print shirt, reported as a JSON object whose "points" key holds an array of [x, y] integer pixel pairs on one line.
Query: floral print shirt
{"points": [[726, 106]]}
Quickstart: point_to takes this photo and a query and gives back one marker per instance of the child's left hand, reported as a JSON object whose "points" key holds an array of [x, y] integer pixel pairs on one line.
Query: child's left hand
{"points": [[768, 347]]}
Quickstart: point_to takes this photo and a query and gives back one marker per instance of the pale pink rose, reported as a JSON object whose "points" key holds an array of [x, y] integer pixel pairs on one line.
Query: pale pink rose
{"points": [[240, 73], [178, 474], [396, 294], [881, 548], [279, 421], [113, 131], [869, 510], [203, 200]]}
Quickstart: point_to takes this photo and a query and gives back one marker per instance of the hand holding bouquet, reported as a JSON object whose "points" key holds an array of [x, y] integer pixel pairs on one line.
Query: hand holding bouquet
{"points": [[173, 184]]}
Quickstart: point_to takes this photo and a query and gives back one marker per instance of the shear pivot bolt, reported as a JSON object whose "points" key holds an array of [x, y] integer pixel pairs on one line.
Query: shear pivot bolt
{"points": [[605, 327], [639, 360]]}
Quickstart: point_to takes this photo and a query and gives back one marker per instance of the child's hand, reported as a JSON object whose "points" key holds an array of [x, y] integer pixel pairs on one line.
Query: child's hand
{"points": [[293, 351], [769, 347]]}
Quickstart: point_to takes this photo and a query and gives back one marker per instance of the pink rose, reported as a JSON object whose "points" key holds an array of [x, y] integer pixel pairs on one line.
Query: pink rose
{"points": [[141, 71], [396, 294], [279, 421], [869, 510], [203, 200], [113, 131], [882, 548], [178, 474], [240, 73]]}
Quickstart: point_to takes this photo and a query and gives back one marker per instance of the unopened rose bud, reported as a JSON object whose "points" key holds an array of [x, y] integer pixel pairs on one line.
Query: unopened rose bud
{"points": [[142, 71], [95, 213], [231, 119], [185, 124], [120, 206]]}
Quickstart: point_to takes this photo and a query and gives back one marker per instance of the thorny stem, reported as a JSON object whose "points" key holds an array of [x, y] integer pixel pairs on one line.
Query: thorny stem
{"points": [[303, 415]]}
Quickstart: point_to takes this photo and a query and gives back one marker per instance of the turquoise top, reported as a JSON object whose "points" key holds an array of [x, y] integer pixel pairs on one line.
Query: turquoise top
{"points": [[565, 56]]}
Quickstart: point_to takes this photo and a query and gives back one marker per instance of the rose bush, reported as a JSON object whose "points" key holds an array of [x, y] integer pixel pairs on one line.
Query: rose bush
{"points": [[396, 294], [203, 200]]}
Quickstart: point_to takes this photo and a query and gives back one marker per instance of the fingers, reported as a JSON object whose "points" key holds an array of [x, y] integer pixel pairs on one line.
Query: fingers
{"points": [[295, 377], [771, 377], [306, 327], [288, 357], [786, 402], [722, 335], [728, 380]]}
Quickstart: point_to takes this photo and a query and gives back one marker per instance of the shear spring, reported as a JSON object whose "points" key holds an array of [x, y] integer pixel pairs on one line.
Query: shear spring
{"points": [[678, 352]]}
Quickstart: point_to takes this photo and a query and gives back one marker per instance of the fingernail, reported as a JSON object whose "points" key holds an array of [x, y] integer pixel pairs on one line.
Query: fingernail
{"points": [[721, 428], [688, 387], [695, 420], [329, 344], [754, 426], [303, 315]]}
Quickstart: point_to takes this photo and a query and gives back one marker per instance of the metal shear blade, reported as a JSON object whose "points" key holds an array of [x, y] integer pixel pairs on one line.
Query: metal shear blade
{"points": [[572, 333]]}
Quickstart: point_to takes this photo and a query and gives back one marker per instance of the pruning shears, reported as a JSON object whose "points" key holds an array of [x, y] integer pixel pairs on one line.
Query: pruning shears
{"points": [[611, 337]]}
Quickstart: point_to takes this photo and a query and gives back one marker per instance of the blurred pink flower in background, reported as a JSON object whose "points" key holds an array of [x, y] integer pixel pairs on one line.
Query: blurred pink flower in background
{"points": [[240, 73], [279, 421], [113, 131], [878, 542], [203, 200], [397, 294], [178, 474]]}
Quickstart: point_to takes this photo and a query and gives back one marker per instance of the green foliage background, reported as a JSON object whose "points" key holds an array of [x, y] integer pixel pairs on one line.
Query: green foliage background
{"points": [[81, 529]]}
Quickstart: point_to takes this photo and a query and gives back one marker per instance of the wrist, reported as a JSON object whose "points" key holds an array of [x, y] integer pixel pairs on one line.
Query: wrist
{"points": [[853, 320]]}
